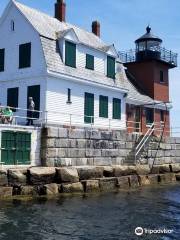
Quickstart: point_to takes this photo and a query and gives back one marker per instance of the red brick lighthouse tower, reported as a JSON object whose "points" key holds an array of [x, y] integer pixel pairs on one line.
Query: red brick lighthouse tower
{"points": [[149, 67]]}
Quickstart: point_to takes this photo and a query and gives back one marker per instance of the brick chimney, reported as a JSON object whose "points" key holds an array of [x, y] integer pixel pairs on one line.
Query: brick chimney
{"points": [[96, 28], [60, 10]]}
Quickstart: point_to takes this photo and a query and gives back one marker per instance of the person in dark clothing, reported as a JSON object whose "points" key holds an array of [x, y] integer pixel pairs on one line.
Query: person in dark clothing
{"points": [[31, 109]]}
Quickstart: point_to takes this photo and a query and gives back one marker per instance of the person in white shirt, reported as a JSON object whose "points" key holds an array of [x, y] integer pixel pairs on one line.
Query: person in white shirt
{"points": [[31, 109]]}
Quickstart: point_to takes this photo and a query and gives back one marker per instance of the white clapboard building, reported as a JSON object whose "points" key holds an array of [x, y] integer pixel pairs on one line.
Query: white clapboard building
{"points": [[72, 75]]}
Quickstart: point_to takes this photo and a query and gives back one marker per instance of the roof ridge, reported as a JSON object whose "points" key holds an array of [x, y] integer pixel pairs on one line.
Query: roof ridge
{"points": [[67, 24], [33, 9]]}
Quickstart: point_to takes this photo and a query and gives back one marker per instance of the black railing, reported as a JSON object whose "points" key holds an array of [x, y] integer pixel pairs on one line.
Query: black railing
{"points": [[161, 54]]}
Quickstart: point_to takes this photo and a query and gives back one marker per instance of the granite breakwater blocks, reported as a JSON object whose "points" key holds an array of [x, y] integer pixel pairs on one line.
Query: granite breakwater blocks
{"points": [[53, 181], [82, 146]]}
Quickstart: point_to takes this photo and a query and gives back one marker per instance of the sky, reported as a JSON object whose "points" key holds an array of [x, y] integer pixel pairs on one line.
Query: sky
{"points": [[122, 22]]}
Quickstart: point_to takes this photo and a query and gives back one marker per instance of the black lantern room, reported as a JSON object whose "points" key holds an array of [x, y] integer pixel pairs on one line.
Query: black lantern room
{"points": [[148, 46]]}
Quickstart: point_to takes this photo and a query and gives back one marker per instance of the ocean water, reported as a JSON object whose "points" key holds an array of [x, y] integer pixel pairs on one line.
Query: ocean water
{"points": [[105, 216]]}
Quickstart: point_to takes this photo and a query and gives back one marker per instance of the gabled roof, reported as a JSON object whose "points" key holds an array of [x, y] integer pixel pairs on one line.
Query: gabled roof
{"points": [[63, 34], [50, 29], [48, 26]]}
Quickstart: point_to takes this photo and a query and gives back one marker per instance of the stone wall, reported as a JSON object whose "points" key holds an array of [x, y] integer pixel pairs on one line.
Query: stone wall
{"points": [[38, 181], [77, 147], [168, 151], [80, 147]]}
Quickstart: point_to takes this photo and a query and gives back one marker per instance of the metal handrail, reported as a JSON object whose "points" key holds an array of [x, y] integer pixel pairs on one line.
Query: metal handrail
{"points": [[143, 140], [94, 121], [23, 109], [146, 134], [165, 55], [152, 128], [135, 128], [15, 117], [45, 118]]}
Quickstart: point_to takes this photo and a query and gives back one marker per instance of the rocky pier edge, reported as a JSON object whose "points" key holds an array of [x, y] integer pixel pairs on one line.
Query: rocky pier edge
{"points": [[51, 181]]}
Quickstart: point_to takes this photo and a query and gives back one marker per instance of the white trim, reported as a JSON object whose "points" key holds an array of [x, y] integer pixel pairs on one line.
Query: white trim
{"points": [[85, 81], [155, 104], [137, 102], [23, 15], [75, 37], [6, 10], [112, 51], [22, 78]]}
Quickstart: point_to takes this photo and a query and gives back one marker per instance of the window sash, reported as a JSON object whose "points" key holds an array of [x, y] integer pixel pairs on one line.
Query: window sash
{"points": [[103, 106], [116, 108], [89, 62], [70, 54]]}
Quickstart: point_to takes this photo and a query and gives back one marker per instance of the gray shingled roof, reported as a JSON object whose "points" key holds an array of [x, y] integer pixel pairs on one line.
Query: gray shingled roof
{"points": [[48, 27], [55, 64], [135, 95]]}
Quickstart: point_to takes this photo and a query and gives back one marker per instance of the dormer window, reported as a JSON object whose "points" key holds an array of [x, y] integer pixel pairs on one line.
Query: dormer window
{"points": [[89, 62], [70, 54], [111, 67], [12, 26]]}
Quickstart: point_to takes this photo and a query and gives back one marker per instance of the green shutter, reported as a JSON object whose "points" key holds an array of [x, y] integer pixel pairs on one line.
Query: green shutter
{"points": [[25, 55], [2, 56], [103, 106], [89, 108], [70, 54], [116, 108], [89, 62], [34, 92], [16, 147], [12, 98], [111, 67], [23, 147], [8, 144]]}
